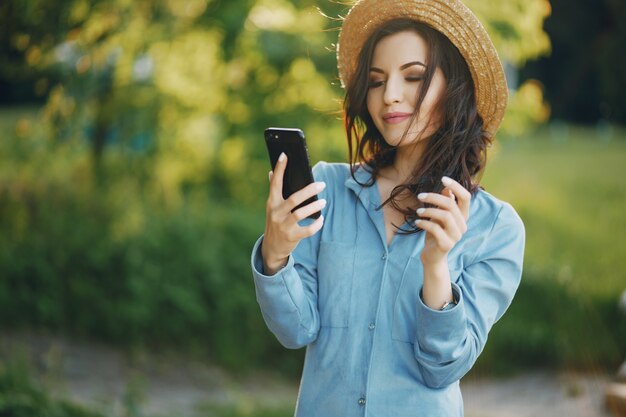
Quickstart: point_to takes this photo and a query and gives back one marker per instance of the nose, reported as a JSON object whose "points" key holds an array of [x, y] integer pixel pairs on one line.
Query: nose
{"points": [[393, 91]]}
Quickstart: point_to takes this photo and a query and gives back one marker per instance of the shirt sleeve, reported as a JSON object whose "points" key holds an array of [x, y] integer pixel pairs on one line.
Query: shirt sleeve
{"points": [[449, 342], [288, 299]]}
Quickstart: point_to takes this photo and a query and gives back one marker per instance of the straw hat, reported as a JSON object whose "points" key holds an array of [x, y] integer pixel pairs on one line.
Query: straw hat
{"points": [[450, 17]]}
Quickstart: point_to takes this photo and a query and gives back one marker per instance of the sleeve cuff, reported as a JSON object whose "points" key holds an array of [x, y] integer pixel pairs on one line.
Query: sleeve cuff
{"points": [[456, 294], [441, 330], [257, 262]]}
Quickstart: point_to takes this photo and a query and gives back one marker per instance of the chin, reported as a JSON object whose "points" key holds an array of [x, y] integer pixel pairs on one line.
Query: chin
{"points": [[397, 140], [392, 140]]}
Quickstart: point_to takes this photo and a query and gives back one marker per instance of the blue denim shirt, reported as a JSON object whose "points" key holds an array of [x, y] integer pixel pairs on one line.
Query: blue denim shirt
{"points": [[373, 347]]}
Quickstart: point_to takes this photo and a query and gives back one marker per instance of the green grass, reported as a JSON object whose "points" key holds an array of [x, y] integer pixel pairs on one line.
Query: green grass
{"points": [[569, 187], [571, 194]]}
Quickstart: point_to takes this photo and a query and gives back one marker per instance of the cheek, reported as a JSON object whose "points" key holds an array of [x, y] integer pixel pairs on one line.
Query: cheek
{"points": [[431, 101], [428, 105], [412, 93]]}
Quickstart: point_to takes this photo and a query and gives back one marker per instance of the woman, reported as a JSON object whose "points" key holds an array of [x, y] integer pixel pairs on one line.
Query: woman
{"points": [[394, 289]]}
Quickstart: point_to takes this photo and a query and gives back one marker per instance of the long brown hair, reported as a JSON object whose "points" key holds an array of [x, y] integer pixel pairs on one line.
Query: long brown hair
{"points": [[458, 147]]}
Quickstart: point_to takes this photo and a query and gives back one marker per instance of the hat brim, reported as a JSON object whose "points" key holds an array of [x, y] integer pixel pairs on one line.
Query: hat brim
{"points": [[454, 20]]}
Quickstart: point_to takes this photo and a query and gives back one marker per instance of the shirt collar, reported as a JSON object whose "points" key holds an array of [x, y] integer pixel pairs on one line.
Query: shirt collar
{"points": [[369, 196]]}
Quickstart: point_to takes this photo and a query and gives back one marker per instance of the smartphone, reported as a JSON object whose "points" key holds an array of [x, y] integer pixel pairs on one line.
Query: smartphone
{"points": [[298, 172]]}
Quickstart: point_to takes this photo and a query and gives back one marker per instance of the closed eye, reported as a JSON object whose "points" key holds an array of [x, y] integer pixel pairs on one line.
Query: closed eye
{"points": [[380, 83]]}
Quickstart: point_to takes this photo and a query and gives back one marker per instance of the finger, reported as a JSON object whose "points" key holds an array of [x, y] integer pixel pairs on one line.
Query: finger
{"points": [[438, 200], [440, 215], [303, 232], [314, 227], [306, 211], [463, 196], [443, 240], [445, 219], [304, 194], [276, 182]]}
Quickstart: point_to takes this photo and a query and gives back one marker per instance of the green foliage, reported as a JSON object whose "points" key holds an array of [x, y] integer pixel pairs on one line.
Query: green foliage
{"points": [[20, 396], [122, 261], [550, 325], [193, 82], [516, 27], [104, 264]]}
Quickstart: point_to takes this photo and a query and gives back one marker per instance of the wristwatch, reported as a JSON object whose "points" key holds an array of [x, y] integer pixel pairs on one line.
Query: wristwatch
{"points": [[448, 305]]}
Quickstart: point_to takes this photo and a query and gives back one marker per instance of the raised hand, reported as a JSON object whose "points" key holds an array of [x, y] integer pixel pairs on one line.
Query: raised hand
{"points": [[282, 231], [444, 224]]}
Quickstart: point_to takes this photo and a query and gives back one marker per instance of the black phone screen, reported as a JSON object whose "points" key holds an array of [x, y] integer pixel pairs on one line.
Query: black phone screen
{"points": [[298, 172]]}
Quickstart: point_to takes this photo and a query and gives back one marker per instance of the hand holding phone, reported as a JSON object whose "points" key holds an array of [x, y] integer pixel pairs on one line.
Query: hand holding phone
{"points": [[292, 198]]}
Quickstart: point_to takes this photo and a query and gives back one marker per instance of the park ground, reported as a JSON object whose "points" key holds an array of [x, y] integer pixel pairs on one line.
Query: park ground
{"points": [[118, 383]]}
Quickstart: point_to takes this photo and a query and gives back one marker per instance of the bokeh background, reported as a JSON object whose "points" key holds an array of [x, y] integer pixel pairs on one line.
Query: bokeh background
{"points": [[133, 177]]}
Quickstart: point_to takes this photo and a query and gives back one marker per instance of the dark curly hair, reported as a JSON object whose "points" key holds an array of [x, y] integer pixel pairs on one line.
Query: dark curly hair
{"points": [[456, 149]]}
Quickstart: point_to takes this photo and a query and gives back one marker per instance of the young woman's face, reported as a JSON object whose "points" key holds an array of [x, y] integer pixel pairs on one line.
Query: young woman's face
{"points": [[395, 78]]}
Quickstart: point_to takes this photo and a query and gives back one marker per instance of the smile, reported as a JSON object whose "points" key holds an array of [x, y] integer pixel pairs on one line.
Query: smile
{"points": [[394, 118]]}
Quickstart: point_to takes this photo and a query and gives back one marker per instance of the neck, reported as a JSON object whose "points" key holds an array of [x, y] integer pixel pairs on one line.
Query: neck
{"points": [[405, 163]]}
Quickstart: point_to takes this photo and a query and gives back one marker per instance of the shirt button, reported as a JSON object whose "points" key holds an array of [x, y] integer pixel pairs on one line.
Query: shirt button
{"points": [[372, 326], [361, 401], [384, 256]]}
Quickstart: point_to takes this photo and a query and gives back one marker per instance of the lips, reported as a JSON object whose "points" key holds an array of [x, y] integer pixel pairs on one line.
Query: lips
{"points": [[395, 117]]}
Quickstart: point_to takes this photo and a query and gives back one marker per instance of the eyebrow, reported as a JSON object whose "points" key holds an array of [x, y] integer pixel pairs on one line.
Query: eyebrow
{"points": [[403, 67]]}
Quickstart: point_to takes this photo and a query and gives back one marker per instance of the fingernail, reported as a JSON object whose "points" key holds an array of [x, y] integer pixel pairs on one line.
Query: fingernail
{"points": [[323, 202], [321, 185], [422, 196], [421, 211], [446, 180], [270, 175], [282, 156], [417, 222]]}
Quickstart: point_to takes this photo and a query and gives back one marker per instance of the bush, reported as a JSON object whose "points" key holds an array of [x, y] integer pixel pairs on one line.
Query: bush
{"points": [[551, 325], [21, 397], [108, 260]]}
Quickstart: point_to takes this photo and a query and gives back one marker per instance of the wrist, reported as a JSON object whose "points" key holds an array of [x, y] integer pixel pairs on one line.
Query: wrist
{"points": [[434, 259], [435, 268], [271, 262], [271, 267]]}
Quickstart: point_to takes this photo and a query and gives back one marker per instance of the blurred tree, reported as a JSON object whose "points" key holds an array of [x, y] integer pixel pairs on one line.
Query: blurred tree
{"points": [[204, 75], [27, 28], [585, 76], [516, 29]]}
